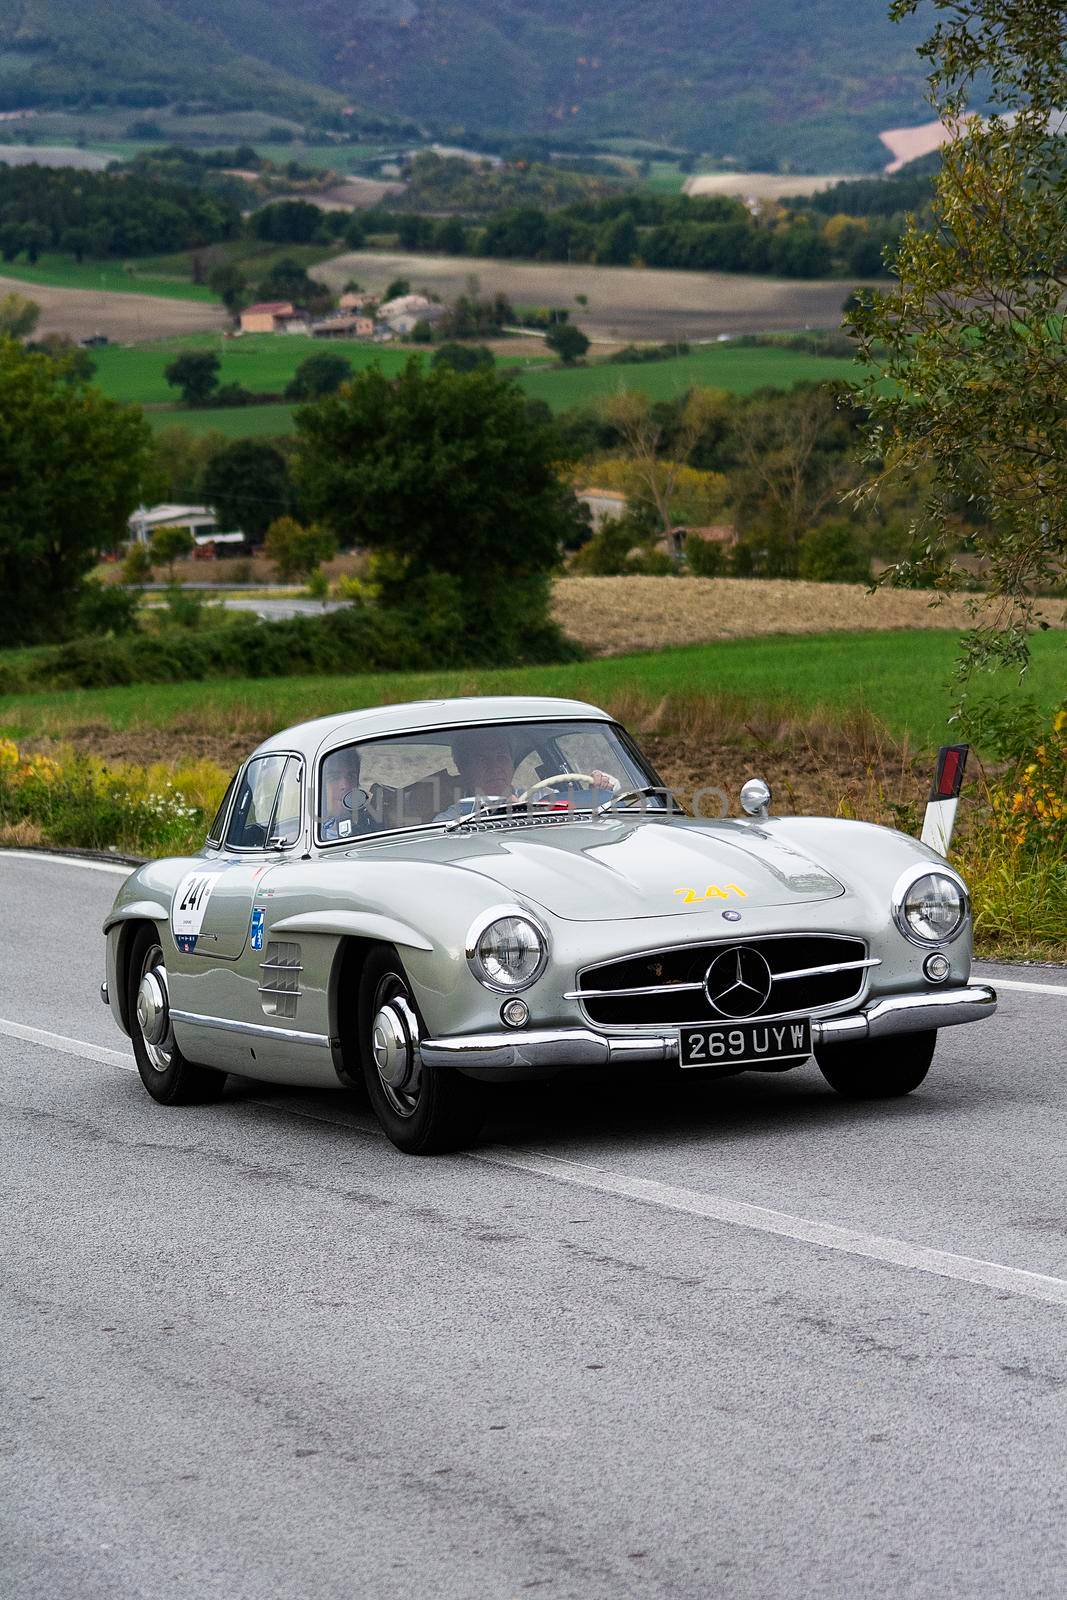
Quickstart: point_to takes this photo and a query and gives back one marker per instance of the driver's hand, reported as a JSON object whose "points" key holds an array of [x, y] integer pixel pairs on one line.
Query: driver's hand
{"points": [[604, 780]]}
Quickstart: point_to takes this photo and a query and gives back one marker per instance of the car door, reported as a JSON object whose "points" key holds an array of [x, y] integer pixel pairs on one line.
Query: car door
{"points": [[218, 938]]}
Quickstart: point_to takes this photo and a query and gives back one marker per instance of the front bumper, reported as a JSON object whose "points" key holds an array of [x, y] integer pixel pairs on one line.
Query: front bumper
{"points": [[583, 1047]]}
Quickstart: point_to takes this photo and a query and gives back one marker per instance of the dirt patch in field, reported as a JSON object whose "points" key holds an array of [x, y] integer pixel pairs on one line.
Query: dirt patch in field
{"points": [[763, 185], [126, 318], [614, 616], [625, 303]]}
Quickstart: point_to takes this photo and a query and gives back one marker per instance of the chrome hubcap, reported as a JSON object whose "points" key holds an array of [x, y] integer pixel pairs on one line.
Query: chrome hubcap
{"points": [[152, 1008], [395, 1048]]}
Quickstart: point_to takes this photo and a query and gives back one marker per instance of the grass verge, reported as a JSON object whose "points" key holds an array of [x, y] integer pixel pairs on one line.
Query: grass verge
{"points": [[903, 679]]}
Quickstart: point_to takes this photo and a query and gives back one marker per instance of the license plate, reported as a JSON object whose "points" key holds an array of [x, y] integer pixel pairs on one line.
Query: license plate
{"points": [[743, 1043]]}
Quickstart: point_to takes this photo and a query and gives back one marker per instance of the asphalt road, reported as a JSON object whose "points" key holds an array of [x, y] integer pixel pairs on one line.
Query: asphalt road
{"points": [[251, 1351]]}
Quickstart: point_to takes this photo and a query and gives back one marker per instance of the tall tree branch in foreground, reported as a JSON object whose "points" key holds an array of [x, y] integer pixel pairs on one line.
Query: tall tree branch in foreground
{"points": [[973, 340]]}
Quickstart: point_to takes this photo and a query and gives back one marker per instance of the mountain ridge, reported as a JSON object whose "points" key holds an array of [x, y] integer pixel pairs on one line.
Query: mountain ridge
{"points": [[762, 83]]}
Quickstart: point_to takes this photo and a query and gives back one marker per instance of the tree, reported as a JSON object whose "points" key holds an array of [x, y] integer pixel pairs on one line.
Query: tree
{"points": [[322, 373], [170, 544], [179, 460], [231, 286], [288, 280], [18, 316], [653, 479], [71, 463], [833, 553], [287, 222], [248, 485], [972, 339], [463, 357], [396, 290], [196, 374], [568, 342], [790, 469], [137, 565], [77, 364], [446, 477], [296, 551]]}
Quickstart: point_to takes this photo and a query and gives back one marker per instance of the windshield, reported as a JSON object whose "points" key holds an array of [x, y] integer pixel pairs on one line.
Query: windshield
{"points": [[445, 774]]}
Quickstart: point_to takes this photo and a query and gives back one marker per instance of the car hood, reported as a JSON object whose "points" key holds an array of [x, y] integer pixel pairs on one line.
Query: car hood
{"points": [[599, 871]]}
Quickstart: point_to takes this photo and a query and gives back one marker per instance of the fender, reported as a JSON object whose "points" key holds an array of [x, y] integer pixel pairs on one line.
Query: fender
{"points": [[137, 910], [353, 924]]}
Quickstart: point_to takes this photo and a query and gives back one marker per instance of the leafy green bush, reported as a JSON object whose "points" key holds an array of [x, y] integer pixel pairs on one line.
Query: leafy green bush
{"points": [[105, 608], [84, 803], [704, 557], [430, 632], [832, 553]]}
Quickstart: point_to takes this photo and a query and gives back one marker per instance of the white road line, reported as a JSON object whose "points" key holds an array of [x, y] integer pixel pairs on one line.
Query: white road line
{"points": [[693, 1202], [1030, 988], [739, 1214], [68, 1047], [70, 861]]}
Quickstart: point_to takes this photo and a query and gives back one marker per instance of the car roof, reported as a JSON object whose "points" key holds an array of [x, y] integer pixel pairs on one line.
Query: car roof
{"points": [[414, 716]]}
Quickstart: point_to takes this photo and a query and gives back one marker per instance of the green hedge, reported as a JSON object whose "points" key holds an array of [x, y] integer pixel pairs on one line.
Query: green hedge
{"points": [[355, 639]]}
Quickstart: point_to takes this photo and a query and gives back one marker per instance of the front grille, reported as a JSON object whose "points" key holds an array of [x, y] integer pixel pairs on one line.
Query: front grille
{"points": [[672, 981]]}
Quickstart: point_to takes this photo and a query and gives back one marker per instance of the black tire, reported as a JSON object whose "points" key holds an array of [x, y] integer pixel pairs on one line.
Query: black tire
{"points": [[441, 1109], [880, 1069], [167, 1075]]}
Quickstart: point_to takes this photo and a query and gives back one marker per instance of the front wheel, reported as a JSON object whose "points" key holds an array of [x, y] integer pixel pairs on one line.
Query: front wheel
{"points": [[165, 1072], [879, 1069], [425, 1111]]}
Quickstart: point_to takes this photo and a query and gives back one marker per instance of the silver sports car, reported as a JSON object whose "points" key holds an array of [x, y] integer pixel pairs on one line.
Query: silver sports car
{"points": [[431, 898]]}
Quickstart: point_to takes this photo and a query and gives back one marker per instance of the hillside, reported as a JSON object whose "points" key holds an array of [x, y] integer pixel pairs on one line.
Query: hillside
{"points": [[773, 80]]}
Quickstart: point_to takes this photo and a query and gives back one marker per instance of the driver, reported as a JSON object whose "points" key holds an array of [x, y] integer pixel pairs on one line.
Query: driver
{"points": [[343, 800], [487, 768]]}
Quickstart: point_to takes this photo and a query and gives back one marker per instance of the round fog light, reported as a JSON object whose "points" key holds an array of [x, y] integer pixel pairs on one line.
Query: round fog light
{"points": [[516, 1013], [936, 967]]}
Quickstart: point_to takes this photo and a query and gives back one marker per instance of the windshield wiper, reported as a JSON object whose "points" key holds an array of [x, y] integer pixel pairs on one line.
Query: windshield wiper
{"points": [[636, 794]]}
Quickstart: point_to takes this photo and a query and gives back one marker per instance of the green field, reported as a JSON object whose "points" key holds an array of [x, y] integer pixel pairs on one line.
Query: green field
{"points": [[264, 363], [904, 679], [739, 369], [62, 272]]}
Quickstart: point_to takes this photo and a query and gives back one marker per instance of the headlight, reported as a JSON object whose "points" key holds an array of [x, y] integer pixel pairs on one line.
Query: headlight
{"points": [[930, 907], [507, 952]]}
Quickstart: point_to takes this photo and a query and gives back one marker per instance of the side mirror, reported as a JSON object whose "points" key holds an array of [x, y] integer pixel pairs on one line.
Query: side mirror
{"points": [[756, 798]]}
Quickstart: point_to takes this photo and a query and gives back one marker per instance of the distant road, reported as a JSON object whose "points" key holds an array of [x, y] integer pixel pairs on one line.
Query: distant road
{"points": [[624, 302]]}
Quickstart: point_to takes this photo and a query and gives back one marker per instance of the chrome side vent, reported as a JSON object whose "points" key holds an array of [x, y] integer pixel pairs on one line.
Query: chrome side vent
{"points": [[281, 969]]}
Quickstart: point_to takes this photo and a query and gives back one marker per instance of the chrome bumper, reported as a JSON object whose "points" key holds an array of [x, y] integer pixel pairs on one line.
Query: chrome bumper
{"points": [[582, 1047]]}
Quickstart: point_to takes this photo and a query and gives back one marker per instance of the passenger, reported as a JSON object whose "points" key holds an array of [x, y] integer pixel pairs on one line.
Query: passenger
{"points": [[343, 802]]}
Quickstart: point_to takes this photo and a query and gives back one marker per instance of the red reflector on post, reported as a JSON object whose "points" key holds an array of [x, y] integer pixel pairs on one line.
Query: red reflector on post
{"points": [[948, 779]]}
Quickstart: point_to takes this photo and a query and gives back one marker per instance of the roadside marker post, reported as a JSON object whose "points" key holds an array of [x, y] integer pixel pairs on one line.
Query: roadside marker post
{"points": [[940, 817]]}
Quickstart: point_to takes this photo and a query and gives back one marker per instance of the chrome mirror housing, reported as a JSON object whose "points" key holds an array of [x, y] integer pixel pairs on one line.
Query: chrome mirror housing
{"points": [[756, 798]]}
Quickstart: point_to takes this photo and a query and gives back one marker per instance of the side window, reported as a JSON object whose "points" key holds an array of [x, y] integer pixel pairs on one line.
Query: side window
{"points": [[254, 808], [285, 821], [215, 831]]}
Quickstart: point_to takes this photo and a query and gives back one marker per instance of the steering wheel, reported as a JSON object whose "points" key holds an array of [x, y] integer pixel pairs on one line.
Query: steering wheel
{"points": [[561, 777]]}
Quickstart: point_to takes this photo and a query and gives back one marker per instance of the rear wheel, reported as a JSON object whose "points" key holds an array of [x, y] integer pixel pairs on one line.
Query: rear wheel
{"points": [[424, 1110], [165, 1072], [880, 1069]]}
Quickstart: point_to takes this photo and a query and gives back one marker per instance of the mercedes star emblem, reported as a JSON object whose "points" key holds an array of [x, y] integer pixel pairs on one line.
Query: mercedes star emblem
{"points": [[738, 982]]}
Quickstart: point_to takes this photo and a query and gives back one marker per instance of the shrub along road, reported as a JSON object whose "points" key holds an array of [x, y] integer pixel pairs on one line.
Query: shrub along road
{"points": [[251, 1348]]}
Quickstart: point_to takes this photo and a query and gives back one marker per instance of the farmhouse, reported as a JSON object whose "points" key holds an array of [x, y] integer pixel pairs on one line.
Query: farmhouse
{"points": [[201, 521], [605, 505], [402, 313], [343, 326], [266, 316]]}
